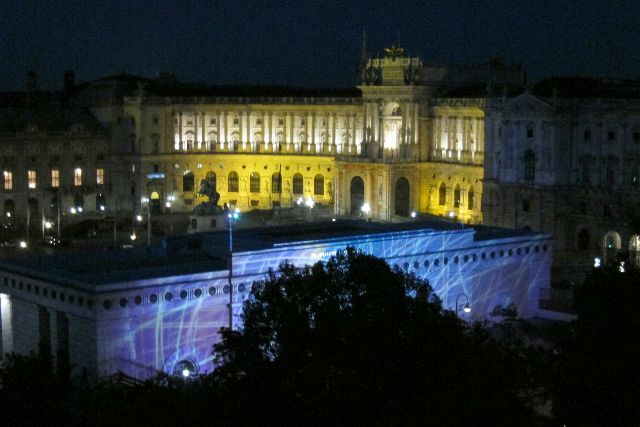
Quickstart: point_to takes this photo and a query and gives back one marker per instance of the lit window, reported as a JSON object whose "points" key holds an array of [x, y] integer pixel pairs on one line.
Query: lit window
{"points": [[254, 183], [55, 178], [77, 177], [232, 182], [8, 180], [318, 185], [100, 176], [31, 178]]}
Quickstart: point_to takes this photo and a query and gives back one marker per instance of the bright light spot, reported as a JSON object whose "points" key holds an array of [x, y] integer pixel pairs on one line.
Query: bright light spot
{"points": [[168, 204], [144, 199], [237, 210], [138, 218], [467, 309], [48, 224], [8, 214], [171, 198], [452, 214], [79, 209], [133, 236], [102, 208], [23, 244], [413, 214], [199, 165], [366, 208], [309, 203], [185, 372], [333, 219], [72, 210], [597, 262], [621, 268]]}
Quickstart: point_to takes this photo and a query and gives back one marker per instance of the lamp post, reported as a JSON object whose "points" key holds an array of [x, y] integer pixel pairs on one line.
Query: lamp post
{"points": [[231, 218], [467, 307]]}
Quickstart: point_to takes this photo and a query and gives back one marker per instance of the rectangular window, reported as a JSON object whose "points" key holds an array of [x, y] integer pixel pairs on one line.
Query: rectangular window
{"points": [[529, 132], [236, 121], [154, 120], [525, 205], [213, 121], [77, 177], [258, 121], [636, 137], [302, 122], [280, 122], [611, 135], [100, 176], [31, 178], [55, 178], [8, 180], [587, 135]]}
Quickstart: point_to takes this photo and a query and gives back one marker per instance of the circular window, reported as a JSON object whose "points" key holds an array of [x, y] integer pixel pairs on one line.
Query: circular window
{"points": [[474, 257], [519, 251], [153, 298], [526, 250], [466, 258], [510, 252], [197, 293], [226, 289], [544, 248], [168, 296], [426, 263], [138, 300], [241, 287], [416, 265], [183, 294], [436, 262], [483, 256], [501, 253], [456, 259], [406, 265], [446, 260], [123, 302], [493, 254], [106, 304], [537, 249], [212, 290]]}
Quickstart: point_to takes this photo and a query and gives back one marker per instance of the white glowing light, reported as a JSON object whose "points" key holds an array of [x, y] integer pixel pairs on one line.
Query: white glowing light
{"points": [[48, 224], [452, 214], [467, 309], [413, 214], [144, 199], [133, 236], [621, 268], [8, 214], [309, 203], [72, 210], [168, 204], [185, 372], [102, 208], [23, 244], [597, 262], [79, 209], [366, 208], [138, 218]]}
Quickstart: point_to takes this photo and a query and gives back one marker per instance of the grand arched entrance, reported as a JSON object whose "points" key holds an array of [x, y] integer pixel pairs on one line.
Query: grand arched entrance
{"points": [[357, 195], [402, 197]]}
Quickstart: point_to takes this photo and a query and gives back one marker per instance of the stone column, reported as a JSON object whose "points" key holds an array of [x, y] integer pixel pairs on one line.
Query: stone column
{"points": [[180, 131], [375, 124], [219, 128], [204, 127]]}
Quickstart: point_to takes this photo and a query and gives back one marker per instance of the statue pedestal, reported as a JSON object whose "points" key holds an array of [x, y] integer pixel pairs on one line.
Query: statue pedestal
{"points": [[203, 223]]}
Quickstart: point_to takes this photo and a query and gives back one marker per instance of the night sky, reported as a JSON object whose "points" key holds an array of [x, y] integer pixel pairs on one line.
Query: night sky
{"points": [[308, 43]]}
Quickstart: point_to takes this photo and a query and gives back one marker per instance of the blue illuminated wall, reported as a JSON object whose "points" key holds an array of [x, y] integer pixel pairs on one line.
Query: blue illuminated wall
{"points": [[139, 339]]}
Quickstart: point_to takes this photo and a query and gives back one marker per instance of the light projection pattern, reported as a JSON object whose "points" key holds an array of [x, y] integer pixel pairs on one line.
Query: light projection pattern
{"points": [[143, 339]]}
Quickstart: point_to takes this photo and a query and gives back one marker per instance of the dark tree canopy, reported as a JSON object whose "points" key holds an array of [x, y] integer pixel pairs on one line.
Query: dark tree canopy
{"points": [[599, 369], [350, 342]]}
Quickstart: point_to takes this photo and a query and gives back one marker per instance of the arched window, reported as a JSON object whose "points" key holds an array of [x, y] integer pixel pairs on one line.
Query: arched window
{"points": [[276, 183], [232, 182], [187, 181], [9, 208], [298, 184], [456, 196], [470, 198], [442, 196], [254, 182], [155, 144], [583, 239], [612, 244], [529, 165], [318, 185]]}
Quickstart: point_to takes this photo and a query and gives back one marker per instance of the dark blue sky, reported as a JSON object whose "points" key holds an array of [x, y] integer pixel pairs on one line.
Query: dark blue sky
{"points": [[308, 43]]}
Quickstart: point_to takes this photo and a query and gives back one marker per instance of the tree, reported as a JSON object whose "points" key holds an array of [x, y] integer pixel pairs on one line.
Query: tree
{"points": [[599, 366], [350, 341]]}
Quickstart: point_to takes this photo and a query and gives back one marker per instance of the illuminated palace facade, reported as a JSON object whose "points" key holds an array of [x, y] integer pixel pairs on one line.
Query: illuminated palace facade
{"points": [[410, 138]]}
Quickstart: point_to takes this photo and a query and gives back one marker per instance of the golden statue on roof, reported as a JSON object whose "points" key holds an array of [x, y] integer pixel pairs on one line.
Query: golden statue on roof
{"points": [[394, 51]]}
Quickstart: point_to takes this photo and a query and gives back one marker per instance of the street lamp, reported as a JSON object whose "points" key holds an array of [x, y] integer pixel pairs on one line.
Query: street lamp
{"points": [[466, 308], [366, 208], [231, 218]]}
